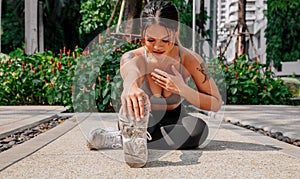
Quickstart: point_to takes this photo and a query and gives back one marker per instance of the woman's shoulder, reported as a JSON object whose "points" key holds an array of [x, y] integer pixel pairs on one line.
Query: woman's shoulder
{"points": [[136, 54], [189, 56]]}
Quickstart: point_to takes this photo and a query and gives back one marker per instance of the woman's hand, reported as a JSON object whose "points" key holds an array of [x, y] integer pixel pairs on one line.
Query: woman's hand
{"points": [[172, 83], [133, 101]]}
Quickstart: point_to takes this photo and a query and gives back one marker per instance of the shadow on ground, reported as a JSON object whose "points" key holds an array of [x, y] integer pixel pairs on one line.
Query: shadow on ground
{"points": [[191, 157]]}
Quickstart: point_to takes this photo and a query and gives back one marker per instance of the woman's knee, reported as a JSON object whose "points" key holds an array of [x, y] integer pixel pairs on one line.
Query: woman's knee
{"points": [[194, 126]]}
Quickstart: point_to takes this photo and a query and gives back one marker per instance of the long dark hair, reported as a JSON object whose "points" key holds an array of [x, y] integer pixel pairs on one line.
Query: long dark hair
{"points": [[161, 12]]}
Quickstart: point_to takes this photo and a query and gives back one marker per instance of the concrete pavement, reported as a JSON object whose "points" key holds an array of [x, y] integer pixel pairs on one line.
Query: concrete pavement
{"points": [[275, 118], [13, 118], [233, 152]]}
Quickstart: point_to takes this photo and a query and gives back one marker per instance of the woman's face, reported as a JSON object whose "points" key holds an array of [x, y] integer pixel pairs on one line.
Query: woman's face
{"points": [[159, 40]]}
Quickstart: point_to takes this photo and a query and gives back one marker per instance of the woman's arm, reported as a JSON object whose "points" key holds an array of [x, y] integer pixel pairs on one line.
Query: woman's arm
{"points": [[207, 95], [132, 69]]}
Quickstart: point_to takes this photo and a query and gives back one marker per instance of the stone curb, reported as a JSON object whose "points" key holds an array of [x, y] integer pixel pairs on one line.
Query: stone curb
{"points": [[27, 148]]}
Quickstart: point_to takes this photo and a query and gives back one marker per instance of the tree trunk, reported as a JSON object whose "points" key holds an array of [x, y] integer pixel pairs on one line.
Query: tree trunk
{"points": [[133, 10], [201, 21], [241, 40]]}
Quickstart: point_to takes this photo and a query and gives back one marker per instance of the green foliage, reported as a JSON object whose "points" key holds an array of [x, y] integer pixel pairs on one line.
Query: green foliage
{"points": [[97, 81], [252, 83], [62, 18], [12, 25], [283, 31], [35, 79], [186, 13], [95, 15], [61, 24], [88, 82]]}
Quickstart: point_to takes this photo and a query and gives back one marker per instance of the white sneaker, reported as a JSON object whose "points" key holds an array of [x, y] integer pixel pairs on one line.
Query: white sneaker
{"points": [[104, 139], [134, 136]]}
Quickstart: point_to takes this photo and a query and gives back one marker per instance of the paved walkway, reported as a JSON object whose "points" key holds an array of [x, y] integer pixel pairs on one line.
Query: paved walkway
{"points": [[275, 118], [233, 152], [13, 118]]}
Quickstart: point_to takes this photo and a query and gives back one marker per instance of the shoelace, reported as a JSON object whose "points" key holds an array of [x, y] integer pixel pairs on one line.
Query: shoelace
{"points": [[111, 140], [136, 131]]}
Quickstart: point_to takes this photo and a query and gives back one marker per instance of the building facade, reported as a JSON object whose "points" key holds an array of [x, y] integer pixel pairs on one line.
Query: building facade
{"points": [[227, 19]]}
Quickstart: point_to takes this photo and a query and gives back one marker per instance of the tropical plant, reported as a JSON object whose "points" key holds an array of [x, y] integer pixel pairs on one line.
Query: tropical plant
{"points": [[97, 83], [95, 15], [12, 25], [41, 78], [253, 83], [283, 31], [61, 24], [88, 82]]}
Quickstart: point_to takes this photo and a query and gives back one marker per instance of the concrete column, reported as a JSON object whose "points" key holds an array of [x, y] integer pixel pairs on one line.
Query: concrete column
{"points": [[41, 27], [31, 26]]}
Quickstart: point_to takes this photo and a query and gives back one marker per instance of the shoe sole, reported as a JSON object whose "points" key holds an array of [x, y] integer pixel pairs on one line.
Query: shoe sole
{"points": [[135, 148], [135, 152]]}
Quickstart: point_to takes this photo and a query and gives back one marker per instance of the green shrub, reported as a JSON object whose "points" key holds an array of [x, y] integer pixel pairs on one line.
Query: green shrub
{"points": [[90, 80], [97, 82], [253, 83], [84, 81], [36, 79]]}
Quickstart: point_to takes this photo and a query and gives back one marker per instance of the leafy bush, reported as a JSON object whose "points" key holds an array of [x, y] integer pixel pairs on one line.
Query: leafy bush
{"points": [[282, 32], [253, 83], [36, 79], [97, 82], [90, 78]]}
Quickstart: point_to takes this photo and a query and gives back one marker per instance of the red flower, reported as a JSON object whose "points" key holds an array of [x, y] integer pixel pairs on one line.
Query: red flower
{"points": [[250, 67], [71, 89], [59, 65], [236, 75], [88, 50], [100, 39], [108, 78], [60, 53], [69, 52], [82, 66], [23, 65]]}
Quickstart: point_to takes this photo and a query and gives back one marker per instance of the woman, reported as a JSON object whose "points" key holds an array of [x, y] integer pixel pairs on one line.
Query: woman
{"points": [[155, 85]]}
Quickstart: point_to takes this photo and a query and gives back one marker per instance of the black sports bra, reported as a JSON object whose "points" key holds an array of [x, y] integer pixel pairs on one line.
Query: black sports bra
{"points": [[172, 99]]}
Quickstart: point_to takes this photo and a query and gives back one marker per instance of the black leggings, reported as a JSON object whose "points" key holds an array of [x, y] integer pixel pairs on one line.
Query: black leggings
{"points": [[175, 129]]}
